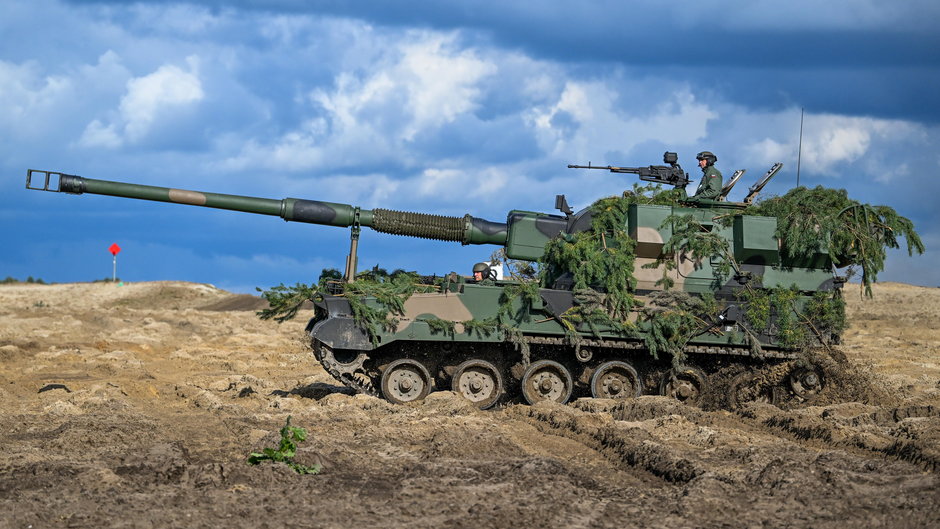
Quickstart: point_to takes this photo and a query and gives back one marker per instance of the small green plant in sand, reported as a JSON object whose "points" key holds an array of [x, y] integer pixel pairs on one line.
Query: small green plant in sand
{"points": [[286, 450]]}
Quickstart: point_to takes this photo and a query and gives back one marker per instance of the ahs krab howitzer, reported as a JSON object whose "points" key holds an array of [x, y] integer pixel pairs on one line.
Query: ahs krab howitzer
{"points": [[487, 342]]}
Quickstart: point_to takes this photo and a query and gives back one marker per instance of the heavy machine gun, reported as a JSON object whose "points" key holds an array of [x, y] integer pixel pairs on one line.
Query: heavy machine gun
{"points": [[671, 174]]}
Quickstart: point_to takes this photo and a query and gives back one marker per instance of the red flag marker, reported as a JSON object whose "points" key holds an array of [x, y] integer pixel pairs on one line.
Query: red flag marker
{"points": [[114, 249]]}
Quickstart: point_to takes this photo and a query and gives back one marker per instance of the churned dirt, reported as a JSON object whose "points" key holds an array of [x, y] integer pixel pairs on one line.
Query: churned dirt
{"points": [[137, 406]]}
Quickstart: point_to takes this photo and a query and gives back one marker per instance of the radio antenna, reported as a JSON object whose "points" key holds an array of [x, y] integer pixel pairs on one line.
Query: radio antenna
{"points": [[799, 151]]}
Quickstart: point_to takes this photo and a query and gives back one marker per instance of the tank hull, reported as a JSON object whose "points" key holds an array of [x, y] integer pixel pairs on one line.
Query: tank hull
{"points": [[437, 333]]}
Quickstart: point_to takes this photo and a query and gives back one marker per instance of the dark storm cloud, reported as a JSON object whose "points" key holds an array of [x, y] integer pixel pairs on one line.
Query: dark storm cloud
{"points": [[839, 57]]}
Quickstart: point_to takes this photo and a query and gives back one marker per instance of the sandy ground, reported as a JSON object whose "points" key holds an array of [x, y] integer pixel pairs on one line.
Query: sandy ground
{"points": [[137, 405]]}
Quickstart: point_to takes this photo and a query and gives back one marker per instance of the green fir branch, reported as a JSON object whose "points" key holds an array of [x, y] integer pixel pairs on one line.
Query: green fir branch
{"points": [[291, 436]]}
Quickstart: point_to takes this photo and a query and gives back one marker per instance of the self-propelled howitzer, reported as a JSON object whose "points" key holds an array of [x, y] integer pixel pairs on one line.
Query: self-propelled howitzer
{"points": [[549, 341]]}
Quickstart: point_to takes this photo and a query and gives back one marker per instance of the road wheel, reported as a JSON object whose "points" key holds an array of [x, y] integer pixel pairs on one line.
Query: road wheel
{"points": [[479, 382], [405, 380], [685, 384], [806, 381], [547, 380], [747, 387], [615, 380]]}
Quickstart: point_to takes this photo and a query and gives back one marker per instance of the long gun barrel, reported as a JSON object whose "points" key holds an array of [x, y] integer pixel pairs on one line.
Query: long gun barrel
{"points": [[466, 229]]}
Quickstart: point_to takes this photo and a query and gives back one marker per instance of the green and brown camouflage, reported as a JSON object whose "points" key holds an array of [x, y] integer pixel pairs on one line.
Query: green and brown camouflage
{"points": [[740, 306]]}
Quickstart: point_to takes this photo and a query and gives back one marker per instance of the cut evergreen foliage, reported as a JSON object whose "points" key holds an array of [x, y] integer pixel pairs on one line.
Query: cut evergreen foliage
{"points": [[810, 220], [284, 301], [390, 291], [590, 309], [482, 328], [826, 313], [286, 450], [777, 311], [601, 259], [526, 293], [673, 318], [515, 269], [692, 240], [437, 325]]}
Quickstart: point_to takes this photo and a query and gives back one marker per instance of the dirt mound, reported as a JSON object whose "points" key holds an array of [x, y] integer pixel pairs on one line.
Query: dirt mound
{"points": [[139, 404], [237, 302]]}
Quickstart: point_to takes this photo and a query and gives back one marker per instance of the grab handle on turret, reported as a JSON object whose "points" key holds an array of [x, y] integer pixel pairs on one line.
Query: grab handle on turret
{"points": [[755, 189], [731, 181]]}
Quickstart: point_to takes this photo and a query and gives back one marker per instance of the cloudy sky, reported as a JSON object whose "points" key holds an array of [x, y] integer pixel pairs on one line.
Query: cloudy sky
{"points": [[443, 107]]}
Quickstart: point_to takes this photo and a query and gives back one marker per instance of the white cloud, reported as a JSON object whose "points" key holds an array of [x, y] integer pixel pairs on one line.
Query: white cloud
{"points": [[441, 83], [185, 19], [458, 184], [374, 109], [26, 93], [830, 141], [167, 89], [588, 120], [97, 134]]}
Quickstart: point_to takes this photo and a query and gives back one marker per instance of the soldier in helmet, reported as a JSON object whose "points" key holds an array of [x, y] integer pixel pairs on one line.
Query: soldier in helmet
{"points": [[482, 272], [710, 186]]}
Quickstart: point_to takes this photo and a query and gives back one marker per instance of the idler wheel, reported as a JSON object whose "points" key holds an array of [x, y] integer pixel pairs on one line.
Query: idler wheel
{"points": [[405, 380], [547, 380], [806, 381], [615, 380], [685, 384], [479, 382], [747, 387]]}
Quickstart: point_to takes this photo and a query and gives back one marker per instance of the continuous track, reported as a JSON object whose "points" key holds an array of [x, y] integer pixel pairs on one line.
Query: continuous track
{"points": [[355, 373]]}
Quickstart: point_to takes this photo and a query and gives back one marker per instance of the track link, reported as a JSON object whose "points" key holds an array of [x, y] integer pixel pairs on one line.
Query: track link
{"points": [[346, 373]]}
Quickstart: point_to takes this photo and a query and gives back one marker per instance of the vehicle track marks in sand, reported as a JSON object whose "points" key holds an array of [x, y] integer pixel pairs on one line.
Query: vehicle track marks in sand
{"points": [[165, 393]]}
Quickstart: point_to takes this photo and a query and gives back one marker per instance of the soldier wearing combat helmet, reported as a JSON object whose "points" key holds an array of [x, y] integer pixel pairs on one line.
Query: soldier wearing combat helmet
{"points": [[482, 272], [710, 186]]}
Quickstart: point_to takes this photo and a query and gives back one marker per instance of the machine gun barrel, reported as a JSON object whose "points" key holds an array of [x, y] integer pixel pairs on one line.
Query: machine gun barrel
{"points": [[466, 229], [661, 174], [611, 168]]}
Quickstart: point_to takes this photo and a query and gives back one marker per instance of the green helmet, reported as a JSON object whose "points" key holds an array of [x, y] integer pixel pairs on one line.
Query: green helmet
{"points": [[481, 267], [708, 156]]}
